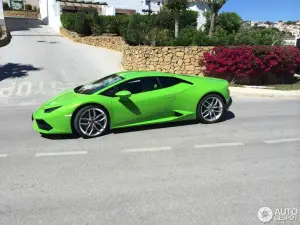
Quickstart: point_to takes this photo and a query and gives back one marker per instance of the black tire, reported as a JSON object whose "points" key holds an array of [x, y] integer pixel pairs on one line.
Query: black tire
{"points": [[201, 109], [80, 115]]}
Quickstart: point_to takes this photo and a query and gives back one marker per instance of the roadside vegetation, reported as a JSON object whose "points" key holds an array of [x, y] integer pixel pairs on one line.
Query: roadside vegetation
{"points": [[27, 7], [173, 26], [243, 54]]}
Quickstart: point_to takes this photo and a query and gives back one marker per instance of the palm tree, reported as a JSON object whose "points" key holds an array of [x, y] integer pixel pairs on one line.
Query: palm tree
{"points": [[214, 6], [176, 6]]}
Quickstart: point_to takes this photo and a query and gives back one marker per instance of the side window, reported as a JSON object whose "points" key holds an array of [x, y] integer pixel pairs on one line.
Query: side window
{"points": [[168, 81], [135, 86]]}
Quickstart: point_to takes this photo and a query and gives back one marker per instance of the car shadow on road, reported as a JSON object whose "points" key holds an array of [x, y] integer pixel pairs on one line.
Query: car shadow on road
{"points": [[227, 116], [15, 70], [59, 136]]}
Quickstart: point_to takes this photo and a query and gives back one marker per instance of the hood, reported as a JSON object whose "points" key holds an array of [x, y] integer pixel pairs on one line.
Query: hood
{"points": [[60, 99]]}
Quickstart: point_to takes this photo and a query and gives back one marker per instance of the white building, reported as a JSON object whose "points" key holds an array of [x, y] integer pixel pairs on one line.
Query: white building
{"points": [[200, 7], [50, 10], [115, 7], [2, 22]]}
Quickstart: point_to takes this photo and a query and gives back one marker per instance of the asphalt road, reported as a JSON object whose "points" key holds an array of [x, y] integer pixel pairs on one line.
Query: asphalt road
{"points": [[176, 174], [43, 63]]}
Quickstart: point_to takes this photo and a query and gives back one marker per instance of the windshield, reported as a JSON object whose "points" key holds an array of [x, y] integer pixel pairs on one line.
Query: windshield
{"points": [[98, 84]]}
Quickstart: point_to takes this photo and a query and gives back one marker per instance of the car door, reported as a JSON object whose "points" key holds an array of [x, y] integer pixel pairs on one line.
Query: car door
{"points": [[148, 101], [174, 87]]}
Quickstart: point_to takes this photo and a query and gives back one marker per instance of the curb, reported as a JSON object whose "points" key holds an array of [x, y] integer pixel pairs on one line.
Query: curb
{"points": [[21, 17], [250, 92]]}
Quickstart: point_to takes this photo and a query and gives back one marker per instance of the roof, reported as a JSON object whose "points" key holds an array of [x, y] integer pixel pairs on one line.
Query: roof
{"points": [[81, 3], [134, 74]]}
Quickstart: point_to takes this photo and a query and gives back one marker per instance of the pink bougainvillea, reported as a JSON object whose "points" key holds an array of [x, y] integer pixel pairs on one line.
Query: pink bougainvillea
{"points": [[250, 61]]}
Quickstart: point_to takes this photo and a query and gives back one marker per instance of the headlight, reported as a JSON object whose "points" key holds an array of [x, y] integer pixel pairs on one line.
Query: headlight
{"points": [[49, 110]]}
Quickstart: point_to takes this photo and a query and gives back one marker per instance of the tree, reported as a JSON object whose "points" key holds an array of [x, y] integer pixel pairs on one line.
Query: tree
{"points": [[291, 23], [176, 6], [214, 6], [229, 21]]}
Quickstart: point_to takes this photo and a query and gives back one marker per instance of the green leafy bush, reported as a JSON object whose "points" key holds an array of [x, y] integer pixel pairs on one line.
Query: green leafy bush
{"points": [[109, 24], [165, 20], [158, 37], [202, 39], [121, 24], [139, 27], [6, 6], [68, 20], [28, 7], [96, 25], [265, 36], [159, 29], [186, 37], [82, 24], [229, 21]]}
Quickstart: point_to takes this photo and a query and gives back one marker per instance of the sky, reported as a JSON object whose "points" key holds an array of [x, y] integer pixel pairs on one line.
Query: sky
{"points": [[264, 10]]}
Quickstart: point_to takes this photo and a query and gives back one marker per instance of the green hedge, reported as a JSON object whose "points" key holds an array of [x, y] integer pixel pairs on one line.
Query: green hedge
{"points": [[28, 7], [82, 24], [68, 20], [155, 28], [158, 29], [110, 24], [5, 6], [165, 20]]}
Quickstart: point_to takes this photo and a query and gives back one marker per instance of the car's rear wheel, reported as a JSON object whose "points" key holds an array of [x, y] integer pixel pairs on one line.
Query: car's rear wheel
{"points": [[91, 121], [210, 109]]}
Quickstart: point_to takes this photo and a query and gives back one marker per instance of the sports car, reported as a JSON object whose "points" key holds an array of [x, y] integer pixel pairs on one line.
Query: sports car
{"points": [[133, 98]]}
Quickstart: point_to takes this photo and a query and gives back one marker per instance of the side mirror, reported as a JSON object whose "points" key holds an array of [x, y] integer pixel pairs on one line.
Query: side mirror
{"points": [[123, 94]]}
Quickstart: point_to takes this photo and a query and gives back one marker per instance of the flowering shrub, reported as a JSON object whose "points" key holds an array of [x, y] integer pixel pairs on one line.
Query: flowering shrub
{"points": [[248, 62]]}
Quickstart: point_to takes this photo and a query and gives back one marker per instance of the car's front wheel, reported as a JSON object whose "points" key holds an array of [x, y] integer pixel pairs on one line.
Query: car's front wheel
{"points": [[210, 109], [91, 121]]}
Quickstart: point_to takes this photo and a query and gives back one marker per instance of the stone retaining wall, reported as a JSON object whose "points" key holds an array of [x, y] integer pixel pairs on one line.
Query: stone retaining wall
{"points": [[182, 60], [23, 14], [115, 43]]}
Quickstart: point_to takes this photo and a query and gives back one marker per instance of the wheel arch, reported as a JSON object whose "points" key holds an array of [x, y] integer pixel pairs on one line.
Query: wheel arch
{"points": [[84, 105]]}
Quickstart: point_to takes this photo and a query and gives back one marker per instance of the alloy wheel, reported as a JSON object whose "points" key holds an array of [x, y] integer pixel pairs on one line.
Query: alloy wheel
{"points": [[93, 122], [211, 109]]}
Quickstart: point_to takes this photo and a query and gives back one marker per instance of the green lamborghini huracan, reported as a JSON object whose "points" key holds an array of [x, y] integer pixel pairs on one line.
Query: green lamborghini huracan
{"points": [[131, 99]]}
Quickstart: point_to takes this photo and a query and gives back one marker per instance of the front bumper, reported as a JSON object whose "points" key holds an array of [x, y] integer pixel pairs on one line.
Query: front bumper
{"points": [[51, 123], [228, 103]]}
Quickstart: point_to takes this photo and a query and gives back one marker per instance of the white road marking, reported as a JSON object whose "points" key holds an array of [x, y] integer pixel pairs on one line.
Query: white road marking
{"points": [[219, 145], [282, 140], [3, 155], [148, 149], [60, 153], [27, 86]]}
